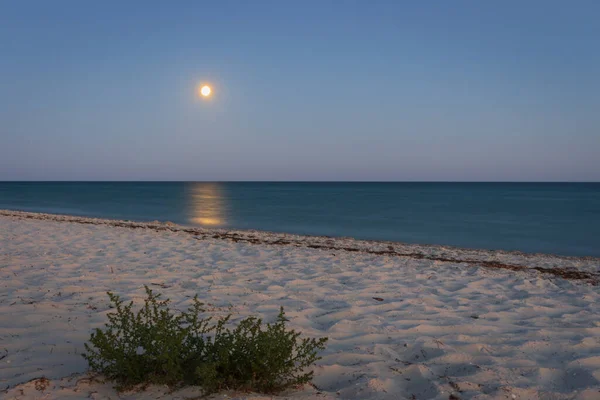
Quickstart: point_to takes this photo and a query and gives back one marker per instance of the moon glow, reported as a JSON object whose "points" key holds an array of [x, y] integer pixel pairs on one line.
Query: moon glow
{"points": [[205, 91]]}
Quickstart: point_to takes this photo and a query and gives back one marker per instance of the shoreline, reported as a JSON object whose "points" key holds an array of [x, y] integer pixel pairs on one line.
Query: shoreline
{"points": [[499, 259], [399, 327]]}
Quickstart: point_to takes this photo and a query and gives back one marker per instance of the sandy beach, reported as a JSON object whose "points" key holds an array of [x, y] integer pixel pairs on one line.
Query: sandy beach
{"points": [[403, 321]]}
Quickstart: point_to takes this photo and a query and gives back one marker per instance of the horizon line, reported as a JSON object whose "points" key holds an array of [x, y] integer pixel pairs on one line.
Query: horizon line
{"points": [[283, 181]]}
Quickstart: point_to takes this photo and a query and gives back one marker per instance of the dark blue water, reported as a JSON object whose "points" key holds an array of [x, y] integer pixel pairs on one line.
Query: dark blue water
{"points": [[560, 218]]}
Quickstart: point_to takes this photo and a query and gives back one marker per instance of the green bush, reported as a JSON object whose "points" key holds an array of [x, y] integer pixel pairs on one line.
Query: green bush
{"points": [[158, 346]]}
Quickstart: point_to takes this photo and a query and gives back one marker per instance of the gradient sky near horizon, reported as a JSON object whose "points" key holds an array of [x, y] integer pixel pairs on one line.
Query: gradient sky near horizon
{"points": [[305, 90]]}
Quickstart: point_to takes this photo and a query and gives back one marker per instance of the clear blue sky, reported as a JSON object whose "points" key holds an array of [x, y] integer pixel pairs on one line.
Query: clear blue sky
{"points": [[304, 90]]}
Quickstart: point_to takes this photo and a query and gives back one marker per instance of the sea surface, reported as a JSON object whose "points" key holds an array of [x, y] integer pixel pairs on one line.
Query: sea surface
{"points": [[558, 218]]}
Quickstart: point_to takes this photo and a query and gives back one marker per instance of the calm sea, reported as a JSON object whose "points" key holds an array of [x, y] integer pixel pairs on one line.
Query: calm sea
{"points": [[560, 218]]}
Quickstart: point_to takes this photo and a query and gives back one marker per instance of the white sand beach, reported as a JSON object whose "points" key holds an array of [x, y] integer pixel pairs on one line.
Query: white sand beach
{"points": [[403, 321]]}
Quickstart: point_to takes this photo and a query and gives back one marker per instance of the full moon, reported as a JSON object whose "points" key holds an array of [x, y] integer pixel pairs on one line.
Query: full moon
{"points": [[205, 91]]}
